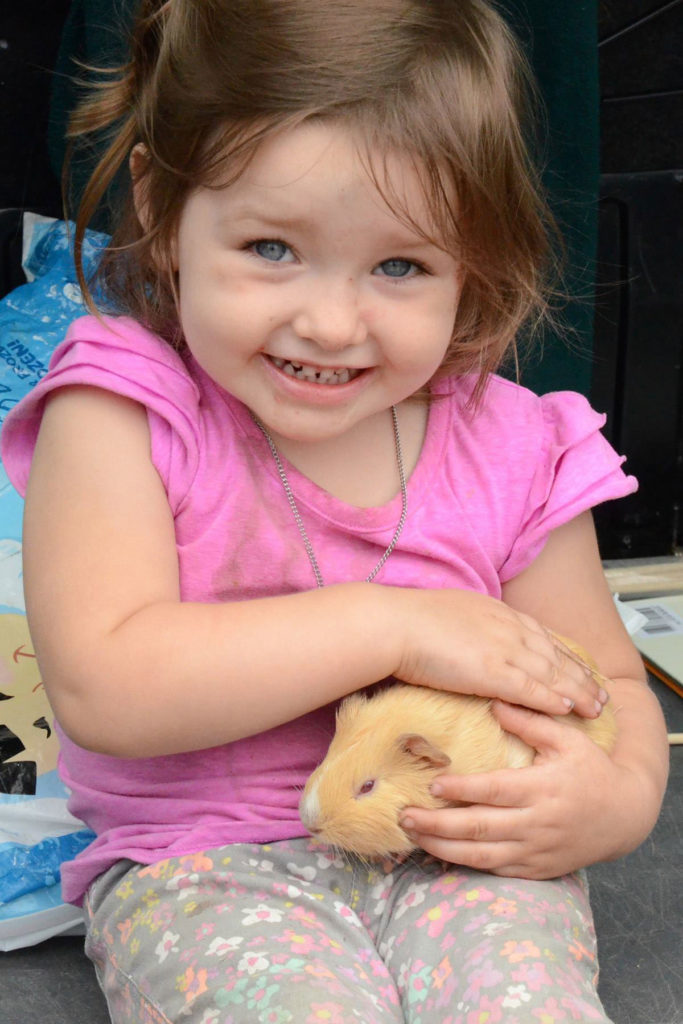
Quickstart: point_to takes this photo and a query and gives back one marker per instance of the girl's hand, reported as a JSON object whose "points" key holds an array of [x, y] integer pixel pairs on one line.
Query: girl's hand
{"points": [[470, 643], [573, 807]]}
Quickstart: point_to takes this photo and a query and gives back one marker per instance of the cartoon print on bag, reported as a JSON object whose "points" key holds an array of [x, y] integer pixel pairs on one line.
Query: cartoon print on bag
{"points": [[28, 744]]}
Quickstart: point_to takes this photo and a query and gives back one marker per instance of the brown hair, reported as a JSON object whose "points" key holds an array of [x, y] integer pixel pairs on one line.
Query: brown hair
{"points": [[442, 81]]}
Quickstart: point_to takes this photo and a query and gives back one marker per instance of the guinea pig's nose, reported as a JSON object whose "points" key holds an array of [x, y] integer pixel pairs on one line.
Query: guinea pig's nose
{"points": [[309, 810]]}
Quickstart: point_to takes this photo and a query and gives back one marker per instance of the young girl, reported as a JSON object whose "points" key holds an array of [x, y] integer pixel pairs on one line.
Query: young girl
{"points": [[279, 469]]}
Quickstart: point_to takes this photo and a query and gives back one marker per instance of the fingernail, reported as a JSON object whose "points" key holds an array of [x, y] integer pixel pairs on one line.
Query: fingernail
{"points": [[598, 707], [436, 789], [603, 696], [568, 703], [407, 823]]}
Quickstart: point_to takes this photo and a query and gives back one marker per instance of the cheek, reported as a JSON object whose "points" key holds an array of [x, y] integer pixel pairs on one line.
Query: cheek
{"points": [[427, 330], [212, 308], [446, 308], [424, 350], [449, 308], [202, 283]]}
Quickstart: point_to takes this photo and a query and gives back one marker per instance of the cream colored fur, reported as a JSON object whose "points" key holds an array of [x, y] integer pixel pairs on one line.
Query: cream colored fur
{"points": [[389, 747]]}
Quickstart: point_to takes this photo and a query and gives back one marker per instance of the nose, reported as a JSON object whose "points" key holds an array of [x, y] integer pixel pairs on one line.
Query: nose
{"points": [[330, 314]]}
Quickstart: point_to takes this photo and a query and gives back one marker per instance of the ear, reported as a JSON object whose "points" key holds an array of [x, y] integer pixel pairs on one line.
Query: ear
{"points": [[422, 750], [137, 164]]}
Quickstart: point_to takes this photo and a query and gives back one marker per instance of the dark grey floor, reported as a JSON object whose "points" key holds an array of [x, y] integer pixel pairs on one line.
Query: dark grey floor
{"points": [[638, 908], [638, 904]]}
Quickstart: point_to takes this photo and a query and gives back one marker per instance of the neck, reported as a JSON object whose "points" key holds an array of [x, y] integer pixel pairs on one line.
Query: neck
{"points": [[359, 467]]}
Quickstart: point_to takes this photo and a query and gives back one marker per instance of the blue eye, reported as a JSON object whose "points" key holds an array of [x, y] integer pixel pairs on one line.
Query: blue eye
{"points": [[271, 250], [398, 268]]}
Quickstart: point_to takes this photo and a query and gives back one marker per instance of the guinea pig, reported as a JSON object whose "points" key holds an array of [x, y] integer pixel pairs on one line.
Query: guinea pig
{"points": [[388, 747]]}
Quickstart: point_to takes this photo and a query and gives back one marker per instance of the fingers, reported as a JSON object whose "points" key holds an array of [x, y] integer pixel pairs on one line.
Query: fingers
{"points": [[483, 838], [505, 859], [538, 683], [534, 670], [507, 787], [491, 807], [562, 673], [495, 832], [539, 731], [479, 835], [472, 643], [528, 821], [474, 824]]}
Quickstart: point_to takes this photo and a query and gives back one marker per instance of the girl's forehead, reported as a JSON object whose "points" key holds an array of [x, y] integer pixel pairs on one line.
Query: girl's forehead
{"points": [[319, 161]]}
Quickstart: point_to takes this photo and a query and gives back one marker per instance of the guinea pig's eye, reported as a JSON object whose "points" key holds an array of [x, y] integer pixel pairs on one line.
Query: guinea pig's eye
{"points": [[366, 788]]}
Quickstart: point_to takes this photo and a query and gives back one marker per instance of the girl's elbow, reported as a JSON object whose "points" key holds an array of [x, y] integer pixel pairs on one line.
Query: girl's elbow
{"points": [[92, 721], [86, 726], [98, 735]]}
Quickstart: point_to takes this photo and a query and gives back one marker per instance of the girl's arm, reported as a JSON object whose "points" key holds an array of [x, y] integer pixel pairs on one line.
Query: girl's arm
{"points": [[574, 805], [133, 671], [587, 611]]}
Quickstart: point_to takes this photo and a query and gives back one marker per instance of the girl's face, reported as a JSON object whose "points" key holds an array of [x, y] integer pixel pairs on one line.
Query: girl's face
{"points": [[304, 296]]}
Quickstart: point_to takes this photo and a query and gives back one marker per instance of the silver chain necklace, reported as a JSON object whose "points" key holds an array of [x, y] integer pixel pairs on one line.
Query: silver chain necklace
{"points": [[297, 515]]}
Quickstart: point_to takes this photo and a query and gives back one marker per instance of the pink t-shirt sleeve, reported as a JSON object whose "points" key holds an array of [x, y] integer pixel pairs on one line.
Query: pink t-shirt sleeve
{"points": [[117, 355], [576, 469]]}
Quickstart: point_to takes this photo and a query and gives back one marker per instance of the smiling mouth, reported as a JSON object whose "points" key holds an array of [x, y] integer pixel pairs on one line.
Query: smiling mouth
{"points": [[316, 374]]}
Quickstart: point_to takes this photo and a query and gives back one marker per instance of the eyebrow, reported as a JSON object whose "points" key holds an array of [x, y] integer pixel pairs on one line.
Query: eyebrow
{"points": [[247, 212]]}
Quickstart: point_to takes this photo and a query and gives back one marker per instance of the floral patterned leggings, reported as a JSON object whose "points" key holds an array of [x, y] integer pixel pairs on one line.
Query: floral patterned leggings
{"points": [[290, 932]]}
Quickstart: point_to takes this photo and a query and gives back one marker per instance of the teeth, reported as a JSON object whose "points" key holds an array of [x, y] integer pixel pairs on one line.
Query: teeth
{"points": [[322, 375]]}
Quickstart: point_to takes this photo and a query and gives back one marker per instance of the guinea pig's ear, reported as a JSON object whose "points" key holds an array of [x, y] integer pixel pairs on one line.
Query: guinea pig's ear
{"points": [[422, 750]]}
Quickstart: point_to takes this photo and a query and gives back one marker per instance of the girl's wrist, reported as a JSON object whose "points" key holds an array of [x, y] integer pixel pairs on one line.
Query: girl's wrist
{"points": [[388, 613], [402, 611], [375, 620]]}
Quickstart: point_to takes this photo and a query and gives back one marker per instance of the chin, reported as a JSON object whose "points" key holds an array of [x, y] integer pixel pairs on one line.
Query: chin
{"points": [[310, 427]]}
